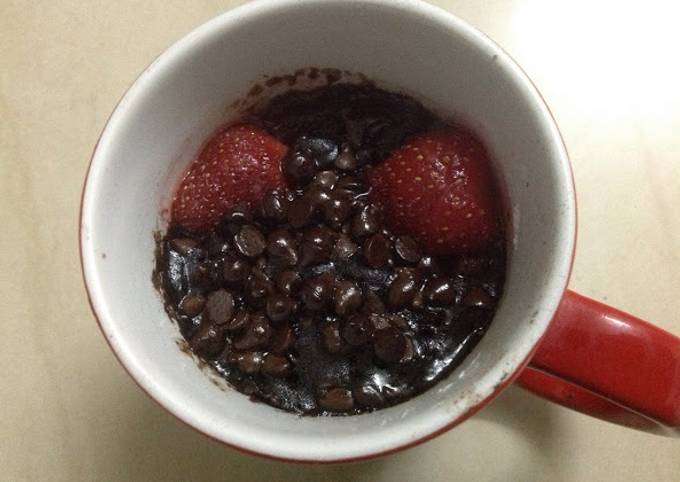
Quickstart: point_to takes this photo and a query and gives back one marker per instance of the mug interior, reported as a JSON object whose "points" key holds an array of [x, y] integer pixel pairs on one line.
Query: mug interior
{"points": [[186, 93]]}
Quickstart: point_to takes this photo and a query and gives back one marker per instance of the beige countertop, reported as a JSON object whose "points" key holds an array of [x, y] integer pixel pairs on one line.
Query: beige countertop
{"points": [[608, 69]]}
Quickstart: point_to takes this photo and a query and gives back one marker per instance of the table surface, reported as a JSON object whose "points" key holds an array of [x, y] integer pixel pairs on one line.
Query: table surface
{"points": [[608, 70]]}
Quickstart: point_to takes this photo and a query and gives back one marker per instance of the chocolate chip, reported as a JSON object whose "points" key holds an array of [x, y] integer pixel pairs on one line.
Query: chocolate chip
{"points": [[238, 321], [356, 331], [324, 181], [217, 245], [403, 288], [344, 247], [274, 207], [250, 242], [398, 322], [439, 292], [279, 307], [336, 399], [477, 298], [366, 222], [407, 249], [367, 394], [192, 305], [220, 306], [281, 244], [316, 292], [282, 339], [339, 208], [299, 169], [275, 365], [378, 322], [301, 212], [322, 151], [377, 250], [319, 236], [428, 263], [347, 298], [256, 334], [316, 196], [346, 161], [249, 362], [351, 184], [288, 281], [184, 246], [235, 270], [239, 215], [373, 303], [331, 338], [316, 246], [258, 287], [209, 340], [390, 345]]}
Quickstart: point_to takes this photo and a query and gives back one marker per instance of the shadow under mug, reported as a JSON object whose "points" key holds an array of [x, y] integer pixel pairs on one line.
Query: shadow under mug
{"points": [[556, 343]]}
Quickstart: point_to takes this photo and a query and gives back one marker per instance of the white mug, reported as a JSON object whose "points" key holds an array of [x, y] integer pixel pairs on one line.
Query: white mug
{"points": [[408, 46]]}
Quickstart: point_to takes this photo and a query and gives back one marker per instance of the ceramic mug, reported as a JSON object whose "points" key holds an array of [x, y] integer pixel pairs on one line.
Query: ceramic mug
{"points": [[556, 343]]}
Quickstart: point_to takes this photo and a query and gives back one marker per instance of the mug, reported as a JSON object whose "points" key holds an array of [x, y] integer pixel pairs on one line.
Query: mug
{"points": [[556, 343]]}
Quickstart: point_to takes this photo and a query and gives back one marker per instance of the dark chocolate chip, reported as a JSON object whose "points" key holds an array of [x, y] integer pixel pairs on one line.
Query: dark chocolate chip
{"points": [[366, 222], [403, 288], [339, 208], [274, 207], [235, 270], [275, 365], [184, 246], [316, 292], [282, 339], [331, 338], [407, 249], [238, 321], [192, 305], [288, 281], [350, 183], [220, 306], [282, 245], [439, 292], [346, 161], [356, 331], [477, 298], [301, 212], [347, 298], [316, 196], [250, 241], [279, 307], [373, 303], [428, 263], [377, 250], [249, 362], [390, 345], [344, 247], [258, 287], [299, 169], [256, 334], [368, 395], [336, 399], [209, 340]]}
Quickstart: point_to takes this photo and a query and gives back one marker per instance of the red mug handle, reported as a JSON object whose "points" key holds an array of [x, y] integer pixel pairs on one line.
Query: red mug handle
{"points": [[606, 363]]}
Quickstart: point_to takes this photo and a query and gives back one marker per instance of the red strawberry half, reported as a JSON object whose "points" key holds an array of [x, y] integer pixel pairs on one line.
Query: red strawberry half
{"points": [[439, 188], [239, 163]]}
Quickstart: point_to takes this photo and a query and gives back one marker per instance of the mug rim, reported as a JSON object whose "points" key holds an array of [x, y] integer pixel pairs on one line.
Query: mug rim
{"points": [[264, 7]]}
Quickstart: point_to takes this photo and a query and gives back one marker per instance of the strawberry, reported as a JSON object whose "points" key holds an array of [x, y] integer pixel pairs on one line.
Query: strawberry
{"points": [[439, 188], [238, 164]]}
